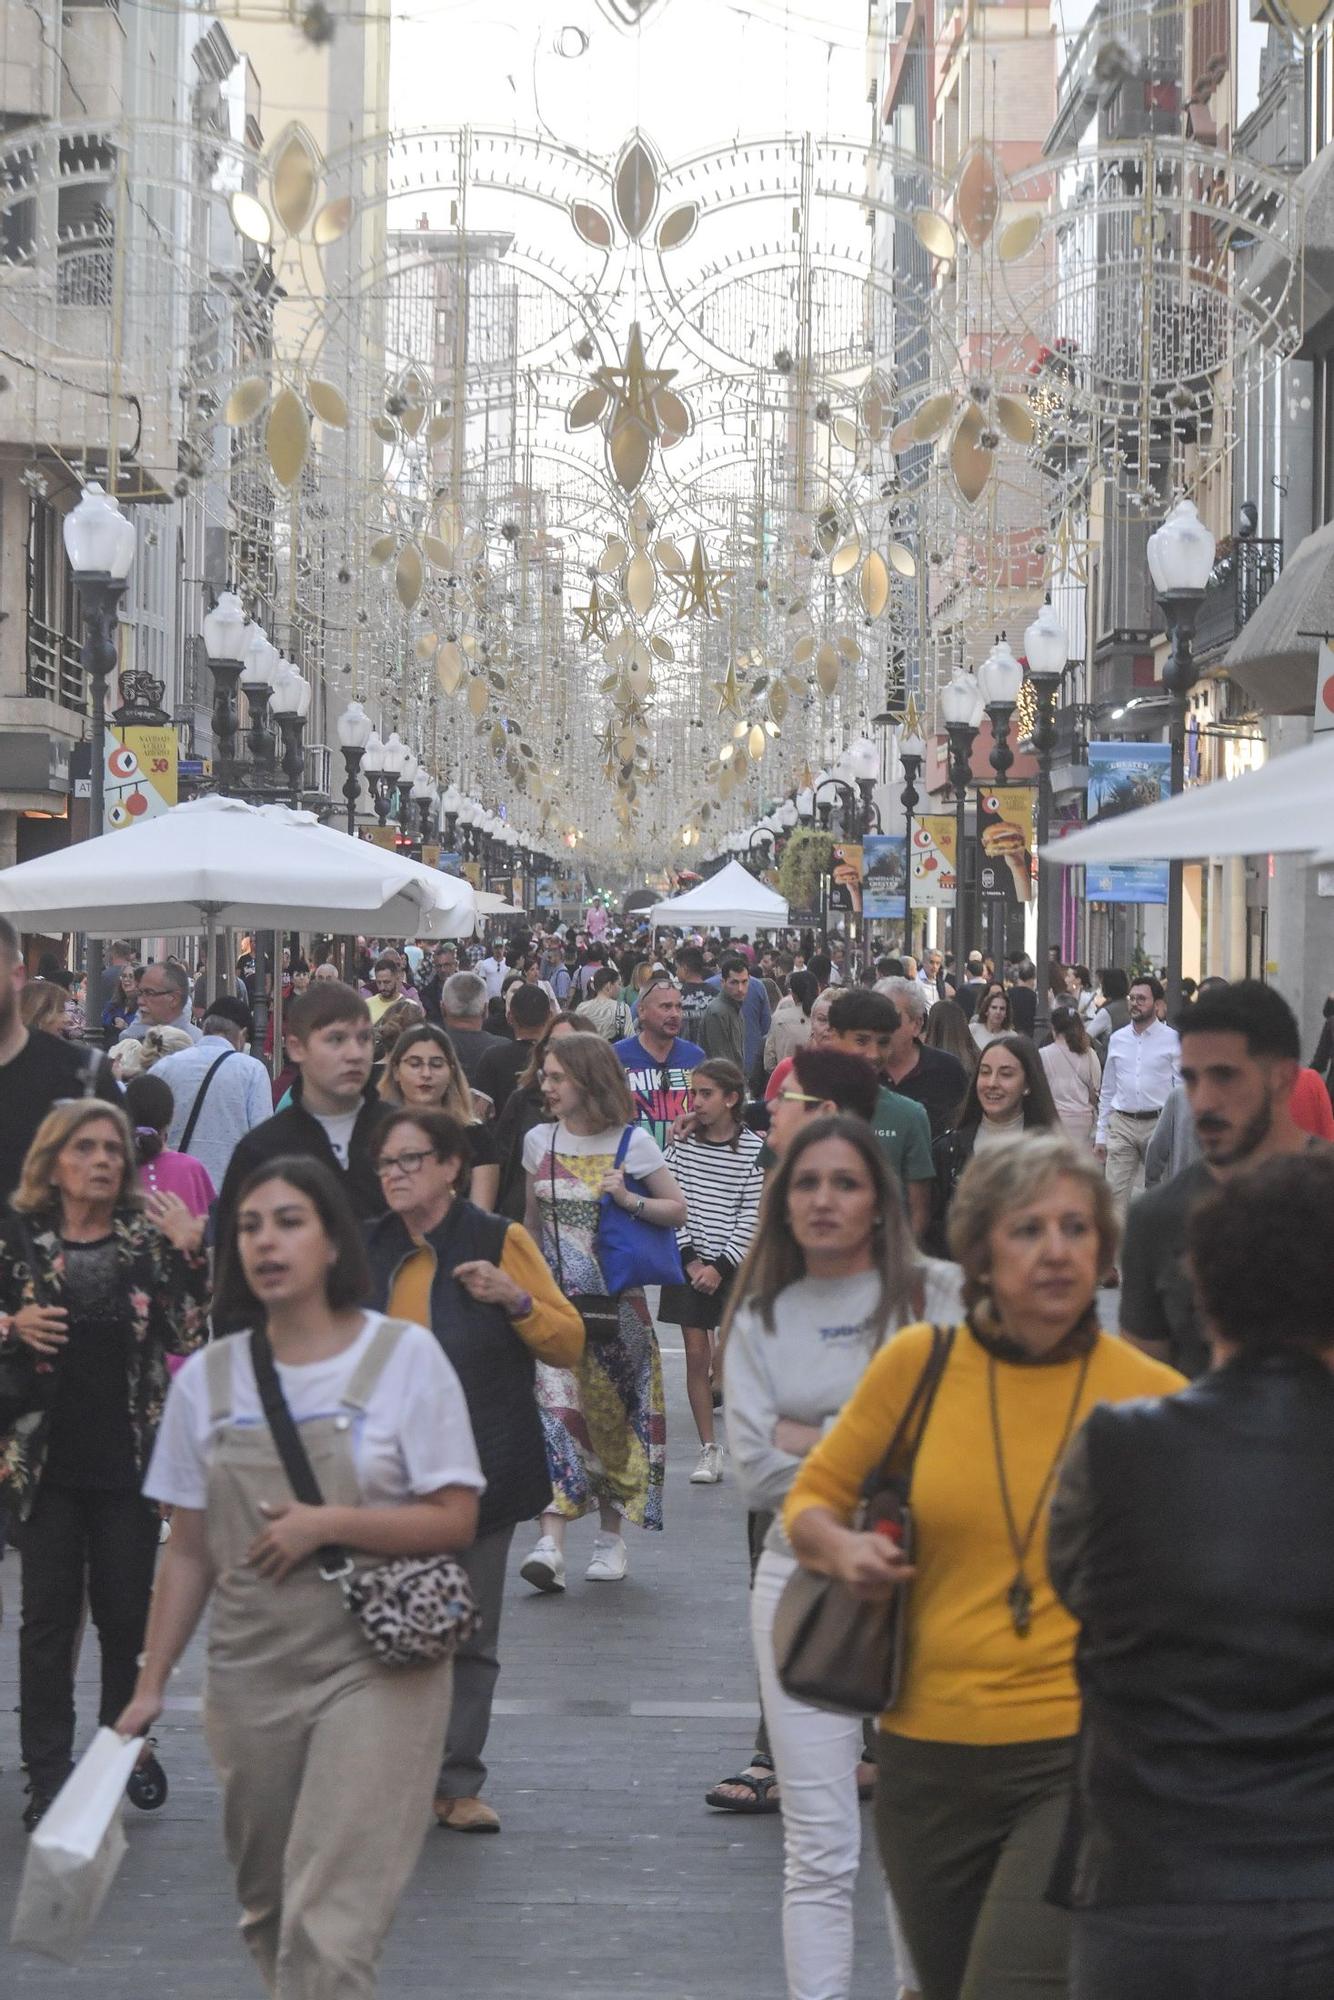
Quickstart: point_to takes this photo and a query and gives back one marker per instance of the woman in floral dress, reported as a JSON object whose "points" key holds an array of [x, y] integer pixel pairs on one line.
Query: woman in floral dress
{"points": [[604, 1420]]}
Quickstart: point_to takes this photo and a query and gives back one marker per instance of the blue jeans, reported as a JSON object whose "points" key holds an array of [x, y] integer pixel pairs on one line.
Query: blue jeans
{"points": [[1203, 1951]]}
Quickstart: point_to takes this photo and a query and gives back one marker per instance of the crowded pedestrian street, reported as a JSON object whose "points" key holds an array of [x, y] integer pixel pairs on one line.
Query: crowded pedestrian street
{"points": [[610, 1875]]}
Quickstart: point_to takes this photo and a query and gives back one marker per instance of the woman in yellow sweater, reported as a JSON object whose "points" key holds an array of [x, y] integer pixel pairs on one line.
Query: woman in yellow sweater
{"points": [[976, 1756]]}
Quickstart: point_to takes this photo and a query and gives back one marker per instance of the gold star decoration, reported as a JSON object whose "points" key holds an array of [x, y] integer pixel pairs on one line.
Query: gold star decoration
{"points": [[912, 718], [593, 616], [729, 695], [700, 585], [638, 409]]}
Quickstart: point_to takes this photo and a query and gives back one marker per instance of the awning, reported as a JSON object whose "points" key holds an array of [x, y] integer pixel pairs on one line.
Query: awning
{"points": [[1270, 273], [1274, 655]]}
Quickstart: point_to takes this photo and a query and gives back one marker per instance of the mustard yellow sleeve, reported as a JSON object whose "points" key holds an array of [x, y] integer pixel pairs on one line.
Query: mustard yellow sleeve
{"points": [[553, 1329], [833, 1473]]}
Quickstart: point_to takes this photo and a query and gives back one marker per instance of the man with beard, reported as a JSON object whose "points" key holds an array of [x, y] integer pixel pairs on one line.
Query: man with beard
{"points": [[1240, 1055], [36, 1070]]}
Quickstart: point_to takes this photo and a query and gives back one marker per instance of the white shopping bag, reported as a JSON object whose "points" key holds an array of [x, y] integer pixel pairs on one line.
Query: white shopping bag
{"points": [[75, 1852]]}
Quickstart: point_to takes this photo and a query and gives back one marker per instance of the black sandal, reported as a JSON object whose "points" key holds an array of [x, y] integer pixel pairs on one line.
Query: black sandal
{"points": [[761, 1791]]}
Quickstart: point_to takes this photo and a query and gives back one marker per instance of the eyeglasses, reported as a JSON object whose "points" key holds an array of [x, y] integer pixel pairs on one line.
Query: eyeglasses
{"points": [[406, 1164], [156, 992], [799, 1097], [661, 980]]}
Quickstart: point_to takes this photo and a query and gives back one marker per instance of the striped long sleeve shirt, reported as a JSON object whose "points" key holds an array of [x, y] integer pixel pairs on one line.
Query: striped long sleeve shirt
{"points": [[722, 1184]]}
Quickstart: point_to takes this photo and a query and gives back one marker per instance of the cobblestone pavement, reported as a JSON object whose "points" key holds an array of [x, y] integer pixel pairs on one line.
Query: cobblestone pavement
{"points": [[618, 1706]]}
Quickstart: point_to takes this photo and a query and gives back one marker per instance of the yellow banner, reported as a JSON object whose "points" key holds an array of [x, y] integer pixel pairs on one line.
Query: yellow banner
{"points": [[139, 780], [935, 862]]}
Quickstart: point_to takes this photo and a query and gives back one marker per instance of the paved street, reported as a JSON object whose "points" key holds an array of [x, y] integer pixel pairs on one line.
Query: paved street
{"points": [[619, 1706]]}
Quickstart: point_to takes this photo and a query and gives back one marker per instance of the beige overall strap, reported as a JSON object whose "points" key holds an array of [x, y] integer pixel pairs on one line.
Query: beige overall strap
{"points": [[218, 1375], [373, 1364]]}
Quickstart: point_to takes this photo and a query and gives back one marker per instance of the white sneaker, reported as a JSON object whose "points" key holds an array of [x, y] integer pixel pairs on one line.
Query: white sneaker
{"points": [[709, 1471], [610, 1561], [545, 1567]]}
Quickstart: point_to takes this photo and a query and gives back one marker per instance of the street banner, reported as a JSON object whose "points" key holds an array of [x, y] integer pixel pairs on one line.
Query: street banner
{"points": [[845, 879], [449, 861], [1324, 686], [1123, 777], [1006, 838], [883, 876], [935, 878], [139, 780], [382, 836]]}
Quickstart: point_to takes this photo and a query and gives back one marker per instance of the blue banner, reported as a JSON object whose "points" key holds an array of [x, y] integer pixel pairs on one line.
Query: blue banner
{"points": [[884, 876], [1122, 778]]}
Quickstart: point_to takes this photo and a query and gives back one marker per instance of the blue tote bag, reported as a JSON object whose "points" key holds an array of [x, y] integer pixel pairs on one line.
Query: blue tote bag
{"points": [[631, 1251]]}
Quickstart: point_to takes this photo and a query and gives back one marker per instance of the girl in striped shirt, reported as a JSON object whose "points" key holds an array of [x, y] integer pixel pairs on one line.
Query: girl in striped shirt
{"points": [[717, 1168]]}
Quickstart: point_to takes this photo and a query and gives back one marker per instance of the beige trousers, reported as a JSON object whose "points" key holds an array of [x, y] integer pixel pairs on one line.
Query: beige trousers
{"points": [[328, 1760], [1127, 1143]]}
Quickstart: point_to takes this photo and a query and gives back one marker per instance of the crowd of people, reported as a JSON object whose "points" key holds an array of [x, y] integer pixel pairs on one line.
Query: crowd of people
{"points": [[435, 1234]]}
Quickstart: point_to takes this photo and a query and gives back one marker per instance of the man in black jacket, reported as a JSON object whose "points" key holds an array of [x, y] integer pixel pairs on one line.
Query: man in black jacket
{"points": [[333, 1110], [1190, 1537]]}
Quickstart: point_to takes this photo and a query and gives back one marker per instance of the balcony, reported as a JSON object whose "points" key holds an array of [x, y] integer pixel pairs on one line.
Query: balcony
{"points": [[54, 672], [1244, 572]]}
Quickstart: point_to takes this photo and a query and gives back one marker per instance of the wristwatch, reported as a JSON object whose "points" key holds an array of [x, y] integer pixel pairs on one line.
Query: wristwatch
{"points": [[638, 1208], [524, 1307]]}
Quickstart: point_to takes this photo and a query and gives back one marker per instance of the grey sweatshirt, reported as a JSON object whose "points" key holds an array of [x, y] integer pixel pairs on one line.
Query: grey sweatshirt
{"points": [[825, 1332]]}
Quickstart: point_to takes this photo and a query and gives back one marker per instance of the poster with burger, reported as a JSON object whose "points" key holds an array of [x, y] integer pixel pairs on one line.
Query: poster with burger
{"points": [[1005, 832]]}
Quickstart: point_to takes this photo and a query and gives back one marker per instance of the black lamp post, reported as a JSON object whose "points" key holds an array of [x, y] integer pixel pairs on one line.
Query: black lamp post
{"points": [[225, 638], [1000, 679], [354, 735], [961, 711], [290, 704], [912, 756], [1181, 560], [1046, 652]]}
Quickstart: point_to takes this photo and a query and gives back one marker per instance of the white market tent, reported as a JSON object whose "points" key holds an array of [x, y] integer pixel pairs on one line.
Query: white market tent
{"points": [[1284, 807], [732, 897], [217, 863], [495, 906]]}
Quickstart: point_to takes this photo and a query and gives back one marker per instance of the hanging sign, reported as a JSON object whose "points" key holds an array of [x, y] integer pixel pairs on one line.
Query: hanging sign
{"points": [[845, 883], [1005, 831], [1123, 777], [140, 775], [935, 878], [884, 871]]}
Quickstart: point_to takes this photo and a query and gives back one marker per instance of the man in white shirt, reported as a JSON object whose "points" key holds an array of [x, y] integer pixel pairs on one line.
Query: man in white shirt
{"points": [[230, 1088], [1142, 1070], [164, 1002]]}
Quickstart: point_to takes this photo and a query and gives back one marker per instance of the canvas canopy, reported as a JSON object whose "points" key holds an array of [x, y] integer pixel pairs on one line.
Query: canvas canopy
{"points": [[732, 897]]}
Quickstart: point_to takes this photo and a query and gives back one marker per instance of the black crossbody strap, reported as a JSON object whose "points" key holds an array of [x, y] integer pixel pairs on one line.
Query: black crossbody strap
{"points": [[287, 1440], [198, 1105]]}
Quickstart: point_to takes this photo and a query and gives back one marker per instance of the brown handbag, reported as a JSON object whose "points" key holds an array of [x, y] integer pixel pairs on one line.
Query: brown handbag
{"points": [[833, 1650]]}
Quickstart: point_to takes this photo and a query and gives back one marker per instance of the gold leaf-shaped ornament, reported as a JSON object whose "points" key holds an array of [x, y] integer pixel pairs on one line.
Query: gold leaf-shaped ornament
{"points": [[251, 217], [635, 189], [902, 560], [287, 439], [876, 410], [846, 433], [477, 697], [1018, 237], [640, 585], [969, 461], [587, 410], [673, 418], [827, 665], [756, 743], [382, 548], [678, 227], [934, 234], [1016, 419], [327, 403], [409, 576], [591, 224], [334, 220], [629, 451], [778, 701], [437, 553], [246, 401], [845, 559], [426, 645], [873, 586], [803, 651], [296, 182], [663, 648], [613, 555], [669, 558], [384, 430], [449, 667], [438, 429], [978, 199]]}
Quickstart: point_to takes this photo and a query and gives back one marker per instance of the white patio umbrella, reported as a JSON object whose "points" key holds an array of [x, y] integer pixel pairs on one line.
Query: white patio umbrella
{"points": [[448, 902], [1286, 806], [218, 862]]}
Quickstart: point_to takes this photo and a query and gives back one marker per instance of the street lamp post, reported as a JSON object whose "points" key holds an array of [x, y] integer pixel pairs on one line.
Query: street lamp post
{"points": [[224, 644], [423, 797], [1181, 560], [961, 711], [99, 543], [290, 703], [354, 735], [1046, 652], [257, 676], [392, 753], [912, 756], [1000, 678]]}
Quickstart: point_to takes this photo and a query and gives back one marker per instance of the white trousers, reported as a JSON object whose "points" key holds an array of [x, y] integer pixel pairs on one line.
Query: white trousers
{"points": [[815, 1757]]}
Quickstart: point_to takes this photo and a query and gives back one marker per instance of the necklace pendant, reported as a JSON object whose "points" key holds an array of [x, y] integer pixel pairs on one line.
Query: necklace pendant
{"points": [[1019, 1597]]}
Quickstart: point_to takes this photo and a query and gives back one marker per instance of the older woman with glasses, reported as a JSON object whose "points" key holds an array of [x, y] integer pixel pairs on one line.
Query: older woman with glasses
{"points": [[479, 1282], [423, 1073], [99, 1285]]}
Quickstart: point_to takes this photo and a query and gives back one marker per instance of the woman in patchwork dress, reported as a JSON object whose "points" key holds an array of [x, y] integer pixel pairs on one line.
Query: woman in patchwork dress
{"points": [[604, 1420]]}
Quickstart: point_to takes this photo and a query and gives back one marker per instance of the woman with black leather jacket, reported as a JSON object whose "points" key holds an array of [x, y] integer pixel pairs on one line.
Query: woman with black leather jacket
{"points": [[481, 1284]]}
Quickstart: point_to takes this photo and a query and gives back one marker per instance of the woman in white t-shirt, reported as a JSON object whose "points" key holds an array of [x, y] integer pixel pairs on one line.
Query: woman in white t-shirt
{"points": [[605, 1421], [326, 1757]]}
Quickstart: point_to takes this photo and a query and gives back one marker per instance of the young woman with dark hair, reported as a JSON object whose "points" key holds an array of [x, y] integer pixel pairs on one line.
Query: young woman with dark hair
{"points": [[1074, 1074], [1008, 1094], [326, 1756]]}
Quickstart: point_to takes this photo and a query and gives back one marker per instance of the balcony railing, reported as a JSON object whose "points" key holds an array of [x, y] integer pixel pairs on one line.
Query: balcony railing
{"points": [[54, 672], [1243, 573]]}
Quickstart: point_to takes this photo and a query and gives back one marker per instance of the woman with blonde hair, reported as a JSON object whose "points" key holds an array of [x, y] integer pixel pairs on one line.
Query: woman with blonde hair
{"points": [[605, 1421], [977, 1753], [42, 1006], [423, 1073], [99, 1286]]}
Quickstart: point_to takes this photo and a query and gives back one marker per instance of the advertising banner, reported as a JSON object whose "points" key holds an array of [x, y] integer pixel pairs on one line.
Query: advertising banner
{"points": [[140, 776], [1005, 832], [845, 879], [935, 877], [1123, 777], [884, 870]]}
